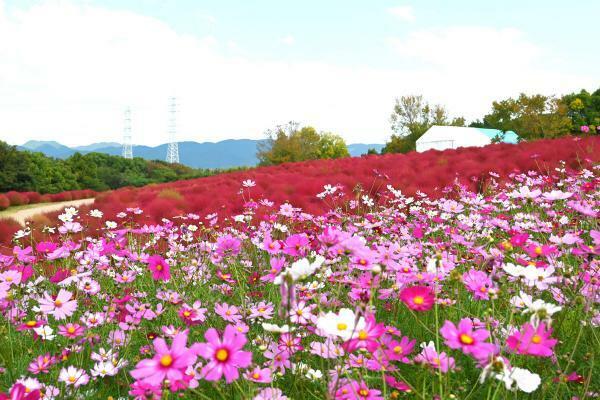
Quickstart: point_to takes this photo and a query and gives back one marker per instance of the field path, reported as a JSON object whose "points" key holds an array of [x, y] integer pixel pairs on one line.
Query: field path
{"points": [[21, 215]]}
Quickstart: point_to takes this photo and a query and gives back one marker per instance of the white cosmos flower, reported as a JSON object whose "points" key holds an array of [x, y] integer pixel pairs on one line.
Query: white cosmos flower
{"points": [[111, 224], [343, 324], [45, 332], [276, 328], [513, 270], [314, 374], [104, 368], [96, 213], [541, 311], [522, 300], [526, 380], [300, 269]]}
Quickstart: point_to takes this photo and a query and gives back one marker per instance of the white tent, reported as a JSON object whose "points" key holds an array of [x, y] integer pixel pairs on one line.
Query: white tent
{"points": [[451, 137]]}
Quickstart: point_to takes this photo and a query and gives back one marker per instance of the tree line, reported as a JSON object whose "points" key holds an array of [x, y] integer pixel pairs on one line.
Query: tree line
{"points": [[26, 171]]}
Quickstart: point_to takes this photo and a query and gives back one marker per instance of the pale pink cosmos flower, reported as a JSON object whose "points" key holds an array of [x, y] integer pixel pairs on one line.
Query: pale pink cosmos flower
{"points": [[73, 376], [61, 307]]}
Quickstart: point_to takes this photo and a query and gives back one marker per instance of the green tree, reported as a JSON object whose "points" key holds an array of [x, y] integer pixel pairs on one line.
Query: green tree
{"points": [[531, 117], [289, 143], [583, 108]]}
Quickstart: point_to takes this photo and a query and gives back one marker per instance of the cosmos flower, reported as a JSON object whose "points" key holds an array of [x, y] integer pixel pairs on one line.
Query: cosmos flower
{"points": [[73, 376], [224, 355], [60, 307], [159, 267], [418, 298], [532, 341], [168, 362], [470, 340], [345, 324]]}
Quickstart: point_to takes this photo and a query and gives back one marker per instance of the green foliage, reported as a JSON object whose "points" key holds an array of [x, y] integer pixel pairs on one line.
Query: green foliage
{"points": [[290, 143], [583, 108], [27, 171], [531, 117]]}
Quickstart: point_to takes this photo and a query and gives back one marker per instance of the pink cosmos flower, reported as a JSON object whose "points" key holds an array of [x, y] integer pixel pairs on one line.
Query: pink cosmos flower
{"points": [[435, 360], [478, 283], [397, 350], [224, 355], [193, 315], [167, 363], [70, 330], [261, 310], [61, 307], [418, 298], [532, 341], [227, 312], [41, 364], [159, 267], [469, 340], [260, 375]]}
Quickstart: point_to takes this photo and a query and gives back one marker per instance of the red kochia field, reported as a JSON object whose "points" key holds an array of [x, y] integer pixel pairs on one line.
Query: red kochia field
{"points": [[299, 183]]}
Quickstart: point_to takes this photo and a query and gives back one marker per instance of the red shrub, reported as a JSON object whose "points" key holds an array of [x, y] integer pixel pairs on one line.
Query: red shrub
{"points": [[4, 202], [17, 199]]}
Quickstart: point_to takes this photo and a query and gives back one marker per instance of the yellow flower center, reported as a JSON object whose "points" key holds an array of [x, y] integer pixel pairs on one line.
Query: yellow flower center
{"points": [[187, 313], [418, 300], [166, 360], [342, 326], [362, 335], [58, 303], [256, 375], [72, 379], [536, 339], [222, 355], [159, 267], [466, 339], [538, 250], [31, 323], [398, 349], [71, 329], [363, 392]]}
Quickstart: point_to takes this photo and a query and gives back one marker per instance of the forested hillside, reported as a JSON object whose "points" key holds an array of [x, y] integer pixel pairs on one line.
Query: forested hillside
{"points": [[32, 171]]}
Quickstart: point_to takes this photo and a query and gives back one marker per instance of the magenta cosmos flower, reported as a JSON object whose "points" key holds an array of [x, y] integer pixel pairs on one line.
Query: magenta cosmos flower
{"points": [[167, 363], [532, 341], [159, 267], [354, 390], [19, 392], [470, 341], [225, 355], [367, 337], [418, 298]]}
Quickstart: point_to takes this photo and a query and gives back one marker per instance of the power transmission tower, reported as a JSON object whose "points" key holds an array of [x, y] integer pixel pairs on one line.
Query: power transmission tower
{"points": [[127, 151], [172, 147]]}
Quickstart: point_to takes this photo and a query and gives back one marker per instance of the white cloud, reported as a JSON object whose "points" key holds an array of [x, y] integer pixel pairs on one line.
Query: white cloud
{"points": [[68, 71], [288, 40], [403, 13]]}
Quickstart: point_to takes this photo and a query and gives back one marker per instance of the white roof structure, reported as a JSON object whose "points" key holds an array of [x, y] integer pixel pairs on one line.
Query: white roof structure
{"points": [[451, 137]]}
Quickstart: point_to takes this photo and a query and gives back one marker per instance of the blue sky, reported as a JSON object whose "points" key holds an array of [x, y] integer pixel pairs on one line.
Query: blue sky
{"points": [[240, 67]]}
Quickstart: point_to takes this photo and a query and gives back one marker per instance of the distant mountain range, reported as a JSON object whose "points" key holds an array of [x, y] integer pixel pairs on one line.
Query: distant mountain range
{"points": [[223, 154]]}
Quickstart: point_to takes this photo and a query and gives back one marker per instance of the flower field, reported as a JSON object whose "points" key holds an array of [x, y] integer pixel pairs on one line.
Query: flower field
{"points": [[300, 284]]}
